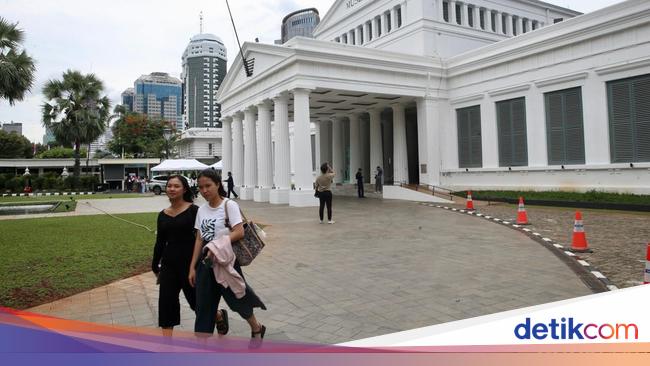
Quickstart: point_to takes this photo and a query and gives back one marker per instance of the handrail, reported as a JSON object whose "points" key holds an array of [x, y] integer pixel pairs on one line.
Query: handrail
{"points": [[434, 189]]}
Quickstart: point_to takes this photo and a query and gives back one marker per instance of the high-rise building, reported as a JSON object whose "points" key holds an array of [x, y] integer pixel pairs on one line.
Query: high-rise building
{"points": [[159, 95], [13, 127], [300, 23], [127, 99], [48, 138], [204, 67]]}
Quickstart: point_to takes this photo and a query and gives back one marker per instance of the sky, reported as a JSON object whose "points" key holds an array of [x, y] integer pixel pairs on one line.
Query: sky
{"points": [[120, 40]]}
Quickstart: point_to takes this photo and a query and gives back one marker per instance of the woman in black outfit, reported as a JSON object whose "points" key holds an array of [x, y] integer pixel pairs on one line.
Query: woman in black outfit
{"points": [[173, 253]]}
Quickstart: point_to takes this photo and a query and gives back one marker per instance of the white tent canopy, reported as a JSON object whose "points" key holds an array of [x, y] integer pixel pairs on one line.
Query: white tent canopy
{"points": [[170, 165], [218, 165]]}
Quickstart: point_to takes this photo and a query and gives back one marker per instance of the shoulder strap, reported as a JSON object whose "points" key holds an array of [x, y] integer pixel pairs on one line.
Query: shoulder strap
{"points": [[225, 208]]}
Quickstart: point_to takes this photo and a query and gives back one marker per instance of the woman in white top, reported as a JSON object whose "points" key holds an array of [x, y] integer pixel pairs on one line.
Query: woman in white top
{"points": [[210, 224]]}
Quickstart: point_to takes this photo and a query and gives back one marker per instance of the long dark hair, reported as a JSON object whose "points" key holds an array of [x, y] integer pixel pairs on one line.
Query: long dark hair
{"points": [[188, 195], [216, 178]]}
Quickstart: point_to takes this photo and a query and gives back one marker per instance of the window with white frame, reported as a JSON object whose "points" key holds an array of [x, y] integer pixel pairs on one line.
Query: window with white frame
{"points": [[565, 141], [629, 119], [470, 151], [511, 128]]}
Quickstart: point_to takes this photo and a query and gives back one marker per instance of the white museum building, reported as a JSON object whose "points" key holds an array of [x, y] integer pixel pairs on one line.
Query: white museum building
{"points": [[483, 94]]}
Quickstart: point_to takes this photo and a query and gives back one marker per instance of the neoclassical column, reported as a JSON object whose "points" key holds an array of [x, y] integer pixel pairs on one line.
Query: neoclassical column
{"points": [[250, 154], [337, 149], [509, 25], [452, 12], [351, 39], [384, 22], [519, 25], [357, 36], [498, 16], [265, 155], [303, 195], [476, 15], [355, 146], [282, 176], [226, 142], [528, 25], [440, 10], [393, 19], [488, 20], [237, 151], [464, 14], [400, 156], [376, 149], [369, 28]]}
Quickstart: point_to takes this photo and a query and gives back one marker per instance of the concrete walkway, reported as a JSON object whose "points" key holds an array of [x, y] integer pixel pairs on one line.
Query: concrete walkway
{"points": [[385, 266]]}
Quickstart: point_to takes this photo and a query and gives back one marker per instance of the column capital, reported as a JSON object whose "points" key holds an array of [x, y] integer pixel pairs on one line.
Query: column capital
{"points": [[226, 119], [301, 90], [239, 115], [281, 96], [265, 103], [397, 106], [250, 108]]}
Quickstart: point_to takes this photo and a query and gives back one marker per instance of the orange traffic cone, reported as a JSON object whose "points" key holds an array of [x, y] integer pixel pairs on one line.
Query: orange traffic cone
{"points": [[469, 205], [579, 242], [522, 216], [646, 277]]}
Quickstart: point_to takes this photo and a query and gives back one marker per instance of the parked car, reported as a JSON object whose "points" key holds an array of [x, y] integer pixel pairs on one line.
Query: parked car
{"points": [[158, 183]]}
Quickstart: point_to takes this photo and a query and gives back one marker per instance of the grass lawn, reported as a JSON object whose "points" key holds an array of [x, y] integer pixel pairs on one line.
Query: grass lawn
{"points": [[51, 258], [98, 196]]}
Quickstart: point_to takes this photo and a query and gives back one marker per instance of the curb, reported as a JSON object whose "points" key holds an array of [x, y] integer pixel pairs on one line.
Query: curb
{"points": [[45, 194], [589, 274]]}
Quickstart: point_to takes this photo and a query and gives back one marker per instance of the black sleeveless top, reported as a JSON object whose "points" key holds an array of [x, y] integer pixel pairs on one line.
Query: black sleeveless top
{"points": [[175, 240]]}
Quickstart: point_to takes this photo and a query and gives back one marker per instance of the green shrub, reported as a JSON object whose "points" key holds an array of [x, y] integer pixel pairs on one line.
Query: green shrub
{"points": [[15, 184], [37, 182], [61, 153]]}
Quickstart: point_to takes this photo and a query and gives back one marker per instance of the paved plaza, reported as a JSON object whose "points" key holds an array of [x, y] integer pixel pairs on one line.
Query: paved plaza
{"points": [[383, 267]]}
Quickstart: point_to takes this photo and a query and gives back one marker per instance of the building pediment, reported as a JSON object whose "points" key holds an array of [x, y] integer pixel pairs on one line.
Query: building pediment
{"points": [[264, 56]]}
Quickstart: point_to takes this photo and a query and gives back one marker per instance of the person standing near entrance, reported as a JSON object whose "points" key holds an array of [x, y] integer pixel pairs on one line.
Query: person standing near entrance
{"points": [[359, 177], [379, 180], [231, 185], [324, 191]]}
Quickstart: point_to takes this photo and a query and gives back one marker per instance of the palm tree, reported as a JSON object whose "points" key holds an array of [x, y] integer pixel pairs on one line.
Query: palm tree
{"points": [[74, 110], [16, 67]]}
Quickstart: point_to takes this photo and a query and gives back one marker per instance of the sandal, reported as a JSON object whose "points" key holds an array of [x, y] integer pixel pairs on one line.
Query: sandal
{"points": [[260, 332], [222, 325]]}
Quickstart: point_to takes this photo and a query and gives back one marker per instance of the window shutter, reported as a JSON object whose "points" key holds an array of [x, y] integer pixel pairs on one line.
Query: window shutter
{"points": [[511, 126], [554, 129], [519, 143], [504, 127], [463, 139], [564, 127], [621, 141], [476, 152], [469, 137], [641, 95], [574, 130]]}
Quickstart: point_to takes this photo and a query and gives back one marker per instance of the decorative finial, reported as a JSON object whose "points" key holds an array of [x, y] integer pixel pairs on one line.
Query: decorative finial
{"points": [[201, 21]]}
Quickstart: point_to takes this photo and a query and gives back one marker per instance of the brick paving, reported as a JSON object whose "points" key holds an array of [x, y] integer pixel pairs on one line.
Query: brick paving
{"points": [[385, 266], [618, 238]]}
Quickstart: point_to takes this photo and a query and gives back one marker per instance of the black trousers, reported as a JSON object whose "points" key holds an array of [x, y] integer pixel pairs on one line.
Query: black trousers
{"points": [[325, 198], [209, 293], [360, 189], [232, 190], [172, 281]]}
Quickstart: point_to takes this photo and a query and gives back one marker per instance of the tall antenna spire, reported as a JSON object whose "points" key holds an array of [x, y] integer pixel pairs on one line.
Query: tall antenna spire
{"points": [[201, 22]]}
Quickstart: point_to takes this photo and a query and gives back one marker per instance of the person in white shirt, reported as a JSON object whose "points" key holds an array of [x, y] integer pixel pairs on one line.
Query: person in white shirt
{"points": [[211, 224]]}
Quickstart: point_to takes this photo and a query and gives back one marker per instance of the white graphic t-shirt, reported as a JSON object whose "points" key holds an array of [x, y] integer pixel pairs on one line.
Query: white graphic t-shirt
{"points": [[211, 222]]}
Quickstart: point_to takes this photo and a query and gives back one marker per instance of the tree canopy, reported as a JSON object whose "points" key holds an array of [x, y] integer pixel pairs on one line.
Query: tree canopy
{"points": [[14, 146], [75, 111], [16, 67], [137, 135]]}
